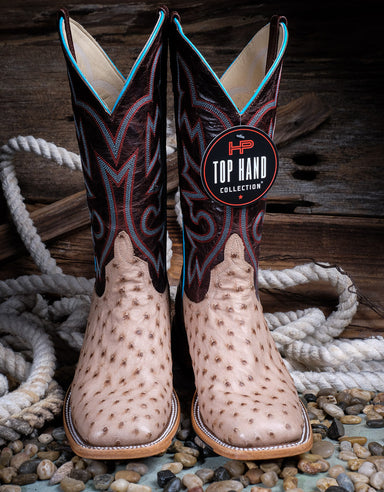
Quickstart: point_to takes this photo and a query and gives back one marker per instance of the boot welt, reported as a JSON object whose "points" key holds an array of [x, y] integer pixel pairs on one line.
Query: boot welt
{"points": [[86, 450], [251, 453]]}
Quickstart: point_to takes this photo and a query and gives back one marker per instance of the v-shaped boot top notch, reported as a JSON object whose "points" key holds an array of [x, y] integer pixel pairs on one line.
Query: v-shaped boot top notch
{"points": [[247, 74], [93, 64]]}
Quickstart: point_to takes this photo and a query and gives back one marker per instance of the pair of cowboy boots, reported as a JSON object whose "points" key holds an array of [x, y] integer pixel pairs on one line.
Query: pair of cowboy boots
{"points": [[121, 403]]}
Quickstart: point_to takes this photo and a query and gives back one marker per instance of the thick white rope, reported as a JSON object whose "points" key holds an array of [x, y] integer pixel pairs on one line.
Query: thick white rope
{"points": [[13, 363], [305, 338], [14, 198], [41, 370]]}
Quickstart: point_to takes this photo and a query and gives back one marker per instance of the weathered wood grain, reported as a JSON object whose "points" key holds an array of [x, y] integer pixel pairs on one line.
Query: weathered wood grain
{"points": [[299, 117], [51, 221]]}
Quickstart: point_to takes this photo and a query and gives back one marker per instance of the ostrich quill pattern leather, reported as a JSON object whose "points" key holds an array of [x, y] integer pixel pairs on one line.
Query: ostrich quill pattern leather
{"points": [[122, 388], [246, 395]]}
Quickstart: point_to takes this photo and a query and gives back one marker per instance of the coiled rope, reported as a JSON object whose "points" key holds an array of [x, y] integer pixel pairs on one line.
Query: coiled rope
{"points": [[29, 320]]}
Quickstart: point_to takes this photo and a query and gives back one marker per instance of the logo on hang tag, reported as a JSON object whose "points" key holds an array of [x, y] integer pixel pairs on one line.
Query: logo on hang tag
{"points": [[239, 166]]}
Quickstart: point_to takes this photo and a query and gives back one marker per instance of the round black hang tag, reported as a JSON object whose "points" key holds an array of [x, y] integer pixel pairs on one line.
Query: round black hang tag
{"points": [[239, 166]]}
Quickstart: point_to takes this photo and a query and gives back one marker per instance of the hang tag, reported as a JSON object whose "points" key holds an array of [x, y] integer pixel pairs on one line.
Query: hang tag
{"points": [[239, 166]]}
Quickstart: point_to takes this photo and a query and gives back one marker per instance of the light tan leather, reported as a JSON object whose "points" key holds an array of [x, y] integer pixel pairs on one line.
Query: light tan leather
{"points": [[122, 389], [95, 65], [246, 395], [245, 74]]}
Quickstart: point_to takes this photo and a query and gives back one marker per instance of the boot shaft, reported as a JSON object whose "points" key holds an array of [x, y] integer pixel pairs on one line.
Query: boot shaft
{"points": [[205, 106], [120, 126]]}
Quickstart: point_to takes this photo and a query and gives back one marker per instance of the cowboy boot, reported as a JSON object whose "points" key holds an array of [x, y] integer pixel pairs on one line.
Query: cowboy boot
{"points": [[246, 405], [121, 403]]}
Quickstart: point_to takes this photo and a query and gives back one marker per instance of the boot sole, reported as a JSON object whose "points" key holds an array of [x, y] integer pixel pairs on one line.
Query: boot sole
{"points": [[250, 453], [86, 450]]}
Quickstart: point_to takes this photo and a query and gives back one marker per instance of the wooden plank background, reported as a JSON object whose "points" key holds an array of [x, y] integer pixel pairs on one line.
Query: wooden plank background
{"points": [[328, 201]]}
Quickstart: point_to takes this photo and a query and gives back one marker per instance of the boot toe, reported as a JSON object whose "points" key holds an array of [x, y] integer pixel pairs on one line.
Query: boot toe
{"points": [[120, 421], [239, 421]]}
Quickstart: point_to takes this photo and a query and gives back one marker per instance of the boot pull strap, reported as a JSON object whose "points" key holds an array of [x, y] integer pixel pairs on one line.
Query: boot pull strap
{"points": [[165, 9], [273, 39], [175, 16], [64, 14]]}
